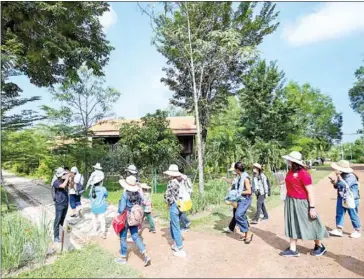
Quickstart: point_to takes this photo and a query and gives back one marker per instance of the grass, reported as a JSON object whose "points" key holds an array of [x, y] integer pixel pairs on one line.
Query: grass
{"points": [[89, 262], [319, 174], [22, 242]]}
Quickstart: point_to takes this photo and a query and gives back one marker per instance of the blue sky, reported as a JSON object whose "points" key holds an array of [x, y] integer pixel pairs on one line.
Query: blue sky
{"points": [[319, 43]]}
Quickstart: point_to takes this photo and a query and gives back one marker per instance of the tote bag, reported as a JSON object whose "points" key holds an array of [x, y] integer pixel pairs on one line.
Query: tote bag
{"points": [[119, 222]]}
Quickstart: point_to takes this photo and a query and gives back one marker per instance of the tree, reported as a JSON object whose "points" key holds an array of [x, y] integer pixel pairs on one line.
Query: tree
{"points": [[47, 42], [175, 111], [266, 114], [356, 94], [207, 46], [83, 103], [150, 144], [319, 122]]}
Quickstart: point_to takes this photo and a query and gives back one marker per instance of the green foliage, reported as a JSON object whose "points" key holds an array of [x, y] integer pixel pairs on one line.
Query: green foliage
{"points": [[356, 93], [49, 41], [149, 144], [22, 242], [266, 114], [222, 42], [89, 262], [320, 124]]}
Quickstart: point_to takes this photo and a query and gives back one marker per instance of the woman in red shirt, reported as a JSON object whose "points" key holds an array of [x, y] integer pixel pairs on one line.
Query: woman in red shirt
{"points": [[301, 218]]}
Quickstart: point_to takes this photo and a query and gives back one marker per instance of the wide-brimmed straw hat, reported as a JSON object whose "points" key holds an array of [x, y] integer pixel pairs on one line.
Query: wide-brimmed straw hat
{"points": [[60, 172], [129, 184], [132, 169], [343, 166], [232, 168], [173, 171], [258, 166], [144, 186], [295, 157], [97, 166]]}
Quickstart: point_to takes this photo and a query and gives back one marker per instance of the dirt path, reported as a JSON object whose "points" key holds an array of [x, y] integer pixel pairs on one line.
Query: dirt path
{"points": [[213, 255]]}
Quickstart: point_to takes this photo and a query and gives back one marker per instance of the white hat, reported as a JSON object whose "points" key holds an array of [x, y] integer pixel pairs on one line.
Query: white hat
{"points": [[343, 166], [74, 170], [173, 171], [132, 169], [60, 172], [145, 186], [129, 184], [97, 166], [295, 157], [258, 166], [232, 167]]}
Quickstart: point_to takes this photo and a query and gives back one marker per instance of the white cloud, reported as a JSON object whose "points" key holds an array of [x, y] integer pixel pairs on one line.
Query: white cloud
{"points": [[108, 19], [329, 21]]}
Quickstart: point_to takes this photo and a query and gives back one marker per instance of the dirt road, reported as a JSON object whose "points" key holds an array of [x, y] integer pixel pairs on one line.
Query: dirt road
{"points": [[214, 255]]}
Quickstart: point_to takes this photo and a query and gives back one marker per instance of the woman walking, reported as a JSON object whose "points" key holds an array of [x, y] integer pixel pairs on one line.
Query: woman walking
{"points": [[301, 218], [98, 196], [130, 198], [260, 185], [244, 187], [345, 178], [171, 196]]}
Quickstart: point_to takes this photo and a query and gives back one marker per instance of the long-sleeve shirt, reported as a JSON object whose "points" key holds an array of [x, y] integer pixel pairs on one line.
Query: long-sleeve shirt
{"points": [[172, 192], [147, 202], [261, 184]]}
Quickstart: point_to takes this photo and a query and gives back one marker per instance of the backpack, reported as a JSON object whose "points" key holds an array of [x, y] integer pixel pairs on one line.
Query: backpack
{"points": [[136, 214], [348, 199], [184, 202]]}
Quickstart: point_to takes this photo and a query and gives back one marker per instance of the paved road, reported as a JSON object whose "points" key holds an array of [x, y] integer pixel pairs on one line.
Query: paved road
{"points": [[34, 199]]}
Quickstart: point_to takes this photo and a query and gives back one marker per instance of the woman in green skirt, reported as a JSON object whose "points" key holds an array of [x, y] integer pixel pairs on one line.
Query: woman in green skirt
{"points": [[301, 218]]}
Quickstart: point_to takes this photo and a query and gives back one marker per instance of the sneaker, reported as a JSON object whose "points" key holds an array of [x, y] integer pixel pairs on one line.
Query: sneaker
{"points": [[318, 250], [289, 253], [265, 219], [254, 222], [184, 230], [104, 235], [152, 230], [227, 230], [336, 232], [73, 216], [175, 248], [120, 260], [188, 224], [355, 234], [147, 261], [130, 239], [180, 254], [57, 240]]}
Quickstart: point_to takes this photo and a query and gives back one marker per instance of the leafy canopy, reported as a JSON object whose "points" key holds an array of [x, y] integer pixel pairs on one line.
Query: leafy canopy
{"points": [[356, 93]]}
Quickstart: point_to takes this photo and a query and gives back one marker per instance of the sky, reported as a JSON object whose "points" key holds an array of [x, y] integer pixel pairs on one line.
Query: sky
{"points": [[318, 43]]}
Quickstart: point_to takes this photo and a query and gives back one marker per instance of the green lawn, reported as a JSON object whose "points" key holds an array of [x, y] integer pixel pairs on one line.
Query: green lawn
{"points": [[89, 262]]}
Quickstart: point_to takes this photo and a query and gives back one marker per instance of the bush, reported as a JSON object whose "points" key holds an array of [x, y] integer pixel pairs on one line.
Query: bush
{"points": [[22, 242]]}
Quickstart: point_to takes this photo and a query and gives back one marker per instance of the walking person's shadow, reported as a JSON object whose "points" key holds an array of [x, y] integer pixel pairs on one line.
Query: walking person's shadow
{"points": [[348, 262]]}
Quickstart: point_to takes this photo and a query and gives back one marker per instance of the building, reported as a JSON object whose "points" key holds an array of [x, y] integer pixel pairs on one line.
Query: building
{"points": [[184, 127]]}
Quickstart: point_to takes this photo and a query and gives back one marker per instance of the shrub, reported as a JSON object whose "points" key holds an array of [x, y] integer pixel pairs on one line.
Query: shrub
{"points": [[22, 242]]}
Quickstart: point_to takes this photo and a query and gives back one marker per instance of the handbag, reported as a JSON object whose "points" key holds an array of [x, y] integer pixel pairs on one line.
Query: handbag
{"points": [[119, 222], [348, 199]]}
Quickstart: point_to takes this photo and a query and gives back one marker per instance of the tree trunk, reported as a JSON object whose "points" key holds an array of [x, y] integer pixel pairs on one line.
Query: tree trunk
{"points": [[195, 97]]}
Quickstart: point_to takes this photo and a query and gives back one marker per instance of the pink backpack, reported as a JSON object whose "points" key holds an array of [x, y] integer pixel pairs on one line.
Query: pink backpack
{"points": [[135, 216]]}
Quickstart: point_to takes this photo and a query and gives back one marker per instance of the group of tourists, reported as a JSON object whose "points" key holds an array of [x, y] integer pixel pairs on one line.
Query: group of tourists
{"points": [[302, 222], [67, 188]]}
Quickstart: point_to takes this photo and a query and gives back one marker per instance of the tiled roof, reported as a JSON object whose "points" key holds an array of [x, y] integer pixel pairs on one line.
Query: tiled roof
{"points": [[180, 125]]}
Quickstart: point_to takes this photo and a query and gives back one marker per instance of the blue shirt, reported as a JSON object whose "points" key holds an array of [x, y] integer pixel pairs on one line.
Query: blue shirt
{"points": [[124, 202], [61, 194], [99, 205]]}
